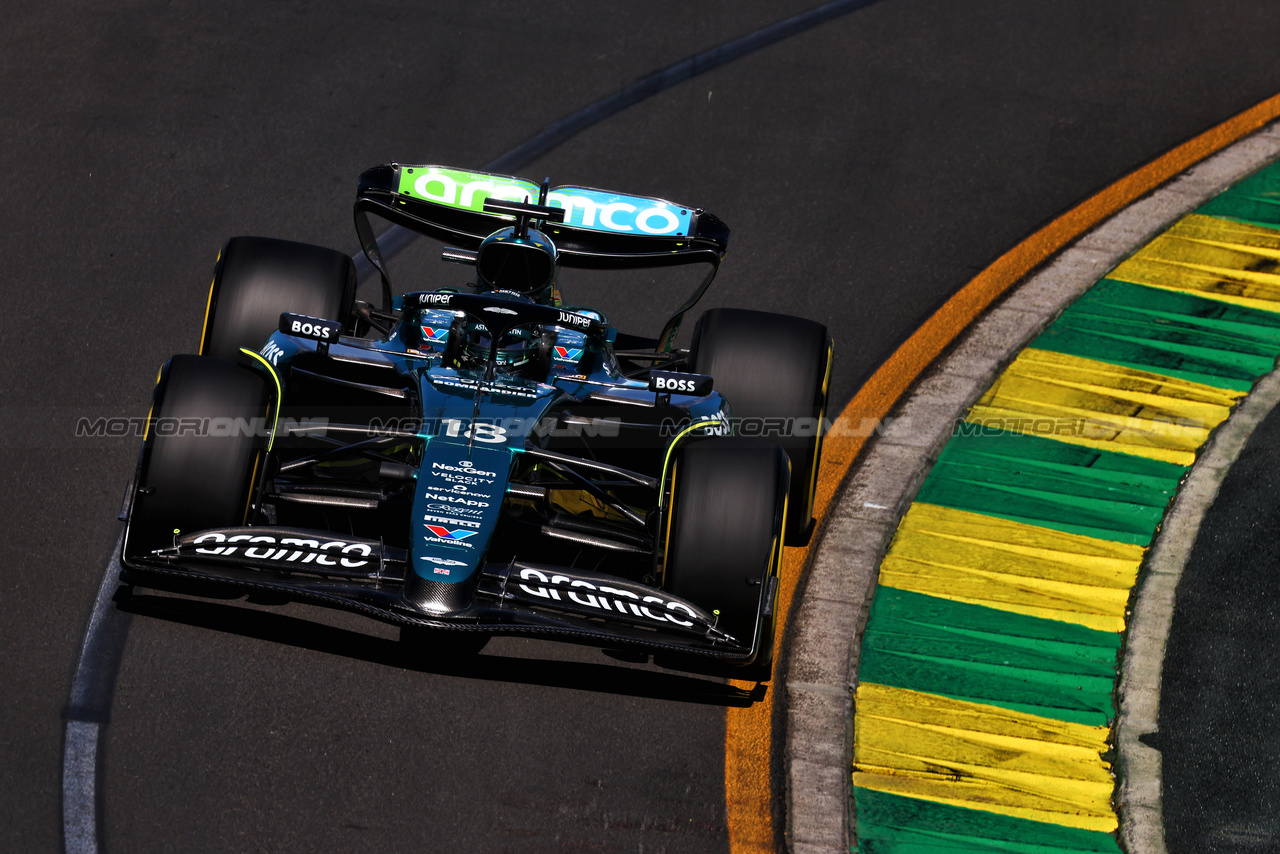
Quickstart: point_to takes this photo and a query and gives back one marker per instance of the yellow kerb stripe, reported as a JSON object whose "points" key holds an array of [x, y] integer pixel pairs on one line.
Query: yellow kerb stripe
{"points": [[1105, 406], [1011, 566], [1210, 257], [982, 757]]}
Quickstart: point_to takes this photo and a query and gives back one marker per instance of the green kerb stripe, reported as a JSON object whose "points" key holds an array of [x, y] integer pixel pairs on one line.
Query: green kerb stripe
{"points": [[891, 824], [1255, 200], [1039, 481], [969, 652], [1166, 332]]}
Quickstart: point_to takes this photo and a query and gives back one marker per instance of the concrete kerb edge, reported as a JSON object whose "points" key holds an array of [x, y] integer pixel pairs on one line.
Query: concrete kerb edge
{"points": [[840, 580]]}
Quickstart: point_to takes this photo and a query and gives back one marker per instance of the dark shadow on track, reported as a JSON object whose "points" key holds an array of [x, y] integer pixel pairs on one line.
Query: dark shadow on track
{"points": [[286, 629]]}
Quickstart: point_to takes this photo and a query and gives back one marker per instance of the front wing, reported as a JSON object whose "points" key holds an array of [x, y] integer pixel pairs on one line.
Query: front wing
{"points": [[522, 598]]}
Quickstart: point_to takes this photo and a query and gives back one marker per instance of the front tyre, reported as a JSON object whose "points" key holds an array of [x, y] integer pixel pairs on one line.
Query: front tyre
{"points": [[774, 370], [258, 278], [724, 538], [202, 449]]}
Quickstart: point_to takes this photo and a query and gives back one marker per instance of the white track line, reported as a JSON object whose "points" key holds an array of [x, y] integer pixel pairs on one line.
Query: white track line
{"points": [[80, 745]]}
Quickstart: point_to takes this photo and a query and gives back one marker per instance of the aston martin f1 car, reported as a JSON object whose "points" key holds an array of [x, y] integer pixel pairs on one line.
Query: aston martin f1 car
{"points": [[487, 459]]}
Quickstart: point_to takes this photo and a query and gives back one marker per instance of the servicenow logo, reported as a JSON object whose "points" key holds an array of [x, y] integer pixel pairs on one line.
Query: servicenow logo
{"points": [[596, 210]]}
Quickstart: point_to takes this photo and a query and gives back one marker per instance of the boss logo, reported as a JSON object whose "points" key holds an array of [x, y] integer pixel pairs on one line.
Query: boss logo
{"points": [[315, 328], [665, 382], [272, 352]]}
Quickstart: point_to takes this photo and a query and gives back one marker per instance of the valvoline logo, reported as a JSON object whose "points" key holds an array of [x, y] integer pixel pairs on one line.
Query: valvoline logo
{"points": [[446, 534], [568, 354], [436, 336]]}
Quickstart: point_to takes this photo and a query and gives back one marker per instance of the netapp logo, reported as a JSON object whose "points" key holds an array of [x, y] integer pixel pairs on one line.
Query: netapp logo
{"points": [[453, 499]]}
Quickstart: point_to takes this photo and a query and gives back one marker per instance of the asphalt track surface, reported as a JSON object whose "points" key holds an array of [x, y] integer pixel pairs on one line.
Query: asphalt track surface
{"points": [[868, 168], [1218, 735]]}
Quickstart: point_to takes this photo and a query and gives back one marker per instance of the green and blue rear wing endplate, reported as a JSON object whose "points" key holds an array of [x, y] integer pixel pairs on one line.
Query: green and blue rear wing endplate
{"points": [[602, 229]]}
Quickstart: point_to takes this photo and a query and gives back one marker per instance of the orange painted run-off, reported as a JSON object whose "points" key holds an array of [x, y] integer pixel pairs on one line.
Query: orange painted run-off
{"points": [[749, 795]]}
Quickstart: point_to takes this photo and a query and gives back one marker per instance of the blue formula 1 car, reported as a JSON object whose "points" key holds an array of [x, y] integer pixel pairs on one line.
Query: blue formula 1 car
{"points": [[494, 460]]}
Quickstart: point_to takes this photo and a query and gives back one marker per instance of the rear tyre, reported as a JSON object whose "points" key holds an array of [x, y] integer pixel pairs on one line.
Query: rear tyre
{"points": [[724, 534], [257, 278], [774, 371], [201, 451]]}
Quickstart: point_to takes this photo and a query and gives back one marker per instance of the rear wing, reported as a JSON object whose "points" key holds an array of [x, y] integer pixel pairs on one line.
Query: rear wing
{"points": [[601, 229]]}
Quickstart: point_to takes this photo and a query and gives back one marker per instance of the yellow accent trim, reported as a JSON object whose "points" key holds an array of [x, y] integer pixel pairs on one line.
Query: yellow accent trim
{"points": [[666, 538], [253, 478], [1104, 406], [208, 306], [822, 419], [982, 757], [279, 393], [670, 448]]}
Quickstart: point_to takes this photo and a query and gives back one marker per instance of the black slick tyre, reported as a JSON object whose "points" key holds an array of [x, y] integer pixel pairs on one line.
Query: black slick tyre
{"points": [[201, 451], [724, 534], [774, 370], [257, 278]]}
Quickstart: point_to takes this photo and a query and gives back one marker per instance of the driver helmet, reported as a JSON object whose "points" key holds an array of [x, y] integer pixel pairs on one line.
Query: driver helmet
{"points": [[515, 350], [522, 265]]}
